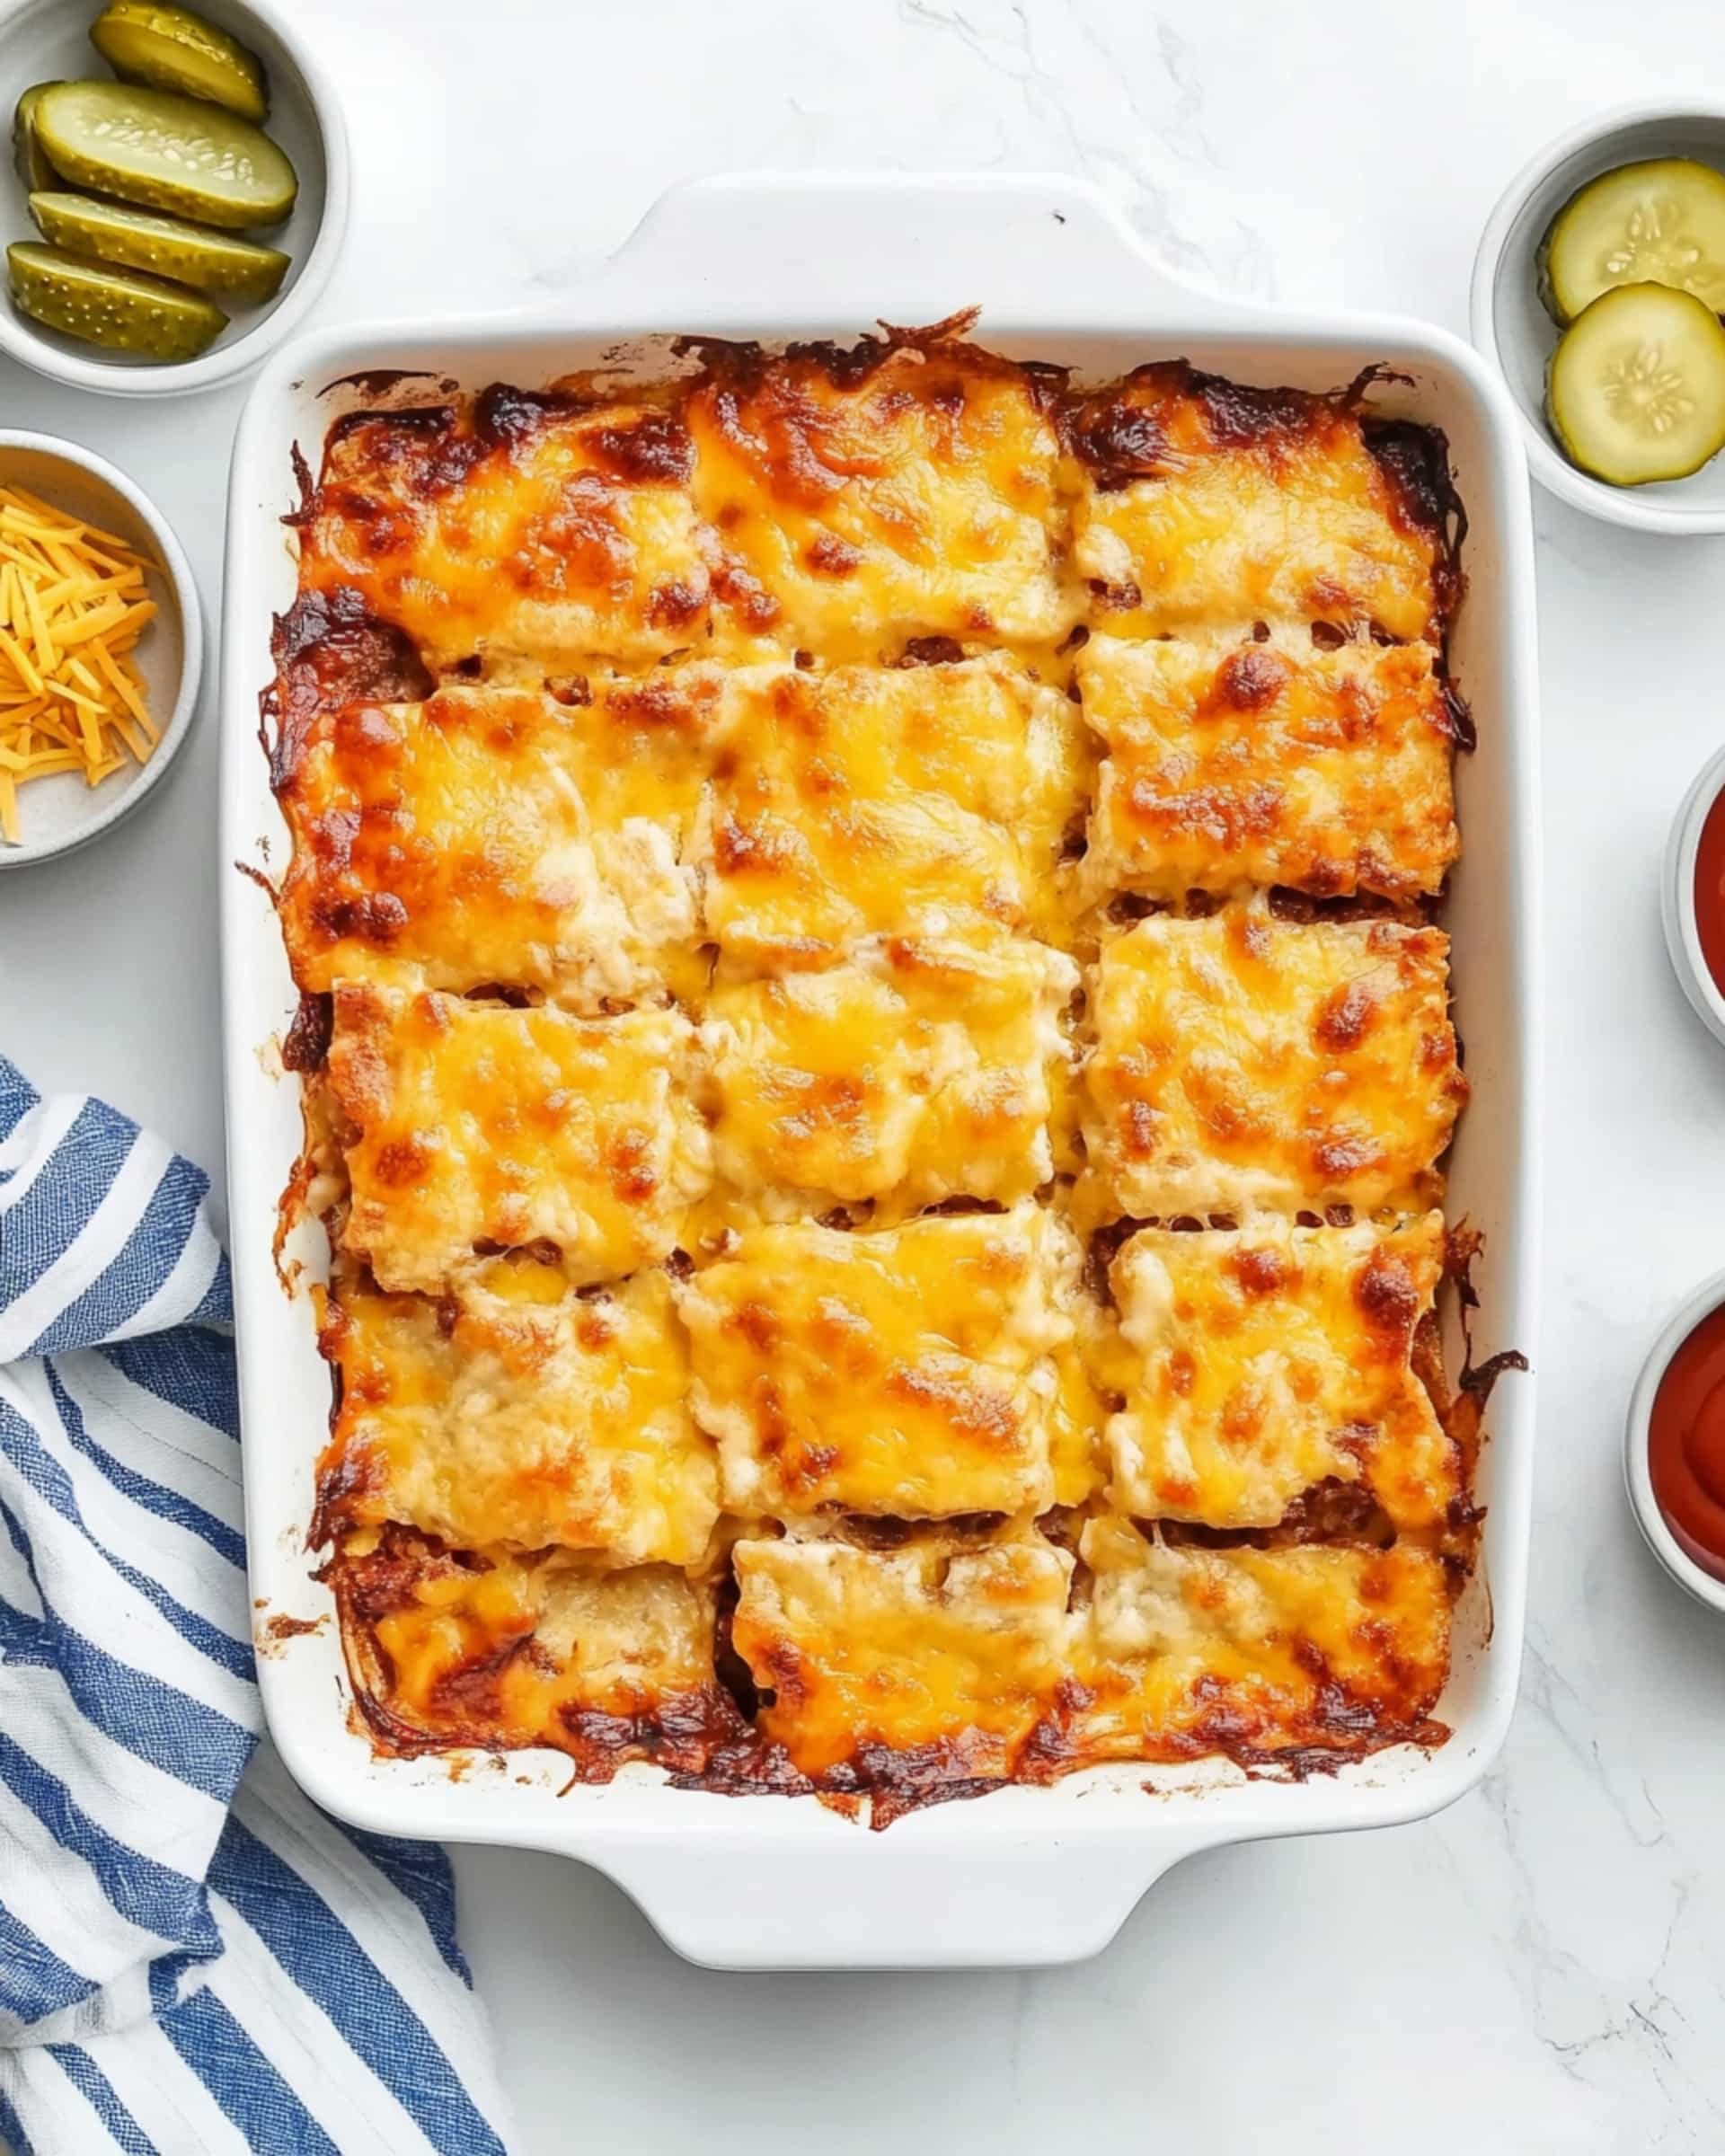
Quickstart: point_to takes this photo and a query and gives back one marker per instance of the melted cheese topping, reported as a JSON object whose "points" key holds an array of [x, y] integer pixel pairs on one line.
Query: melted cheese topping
{"points": [[691, 819], [1245, 1062], [861, 509], [1185, 1651], [1255, 1365], [880, 800], [1235, 761], [479, 1125], [915, 1072], [1265, 505], [497, 835], [920, 1647], [517, 527], [495, 1650], [506, 1419], [908, 1373]]}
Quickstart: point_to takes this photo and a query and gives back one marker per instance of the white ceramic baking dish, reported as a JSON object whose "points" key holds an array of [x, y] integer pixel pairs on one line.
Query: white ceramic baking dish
{"points": [[1027, 1875]]}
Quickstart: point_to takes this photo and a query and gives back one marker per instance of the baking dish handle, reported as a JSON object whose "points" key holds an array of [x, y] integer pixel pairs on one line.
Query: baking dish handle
{"points": [[771, 247], [917, 1896]]}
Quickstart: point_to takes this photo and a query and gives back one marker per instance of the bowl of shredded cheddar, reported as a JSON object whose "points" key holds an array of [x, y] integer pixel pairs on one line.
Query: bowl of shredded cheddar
{"points": [[100, 647]]}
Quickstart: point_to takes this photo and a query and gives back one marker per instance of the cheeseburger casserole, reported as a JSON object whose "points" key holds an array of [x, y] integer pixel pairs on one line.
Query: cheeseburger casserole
{"points": [[877, 1061]]}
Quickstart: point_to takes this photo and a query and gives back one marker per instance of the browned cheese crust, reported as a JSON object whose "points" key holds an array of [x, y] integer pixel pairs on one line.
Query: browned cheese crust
{"points": [[877, 1062]]}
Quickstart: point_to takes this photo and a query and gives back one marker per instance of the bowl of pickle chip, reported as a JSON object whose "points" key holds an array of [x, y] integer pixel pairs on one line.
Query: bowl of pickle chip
{"points": [[1599, 293], [175, 194]]}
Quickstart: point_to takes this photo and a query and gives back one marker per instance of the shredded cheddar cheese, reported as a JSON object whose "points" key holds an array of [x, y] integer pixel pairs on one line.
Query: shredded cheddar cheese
{"points": [[73, 604]]}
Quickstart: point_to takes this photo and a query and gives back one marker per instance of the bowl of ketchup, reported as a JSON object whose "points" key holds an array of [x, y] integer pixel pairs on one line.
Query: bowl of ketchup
{"points": [[1691, 899], [1674, 1458]]}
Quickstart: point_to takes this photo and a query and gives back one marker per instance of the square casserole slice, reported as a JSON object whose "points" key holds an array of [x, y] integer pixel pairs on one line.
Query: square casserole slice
{"points": [[921, 799], [908, 1669], [1258, 1363], [1243, 1062], [498, 835], [519, 1415], [513, 529], [912, 1072], [911, 493], [1234, 759], [909, 1373], [1204, 504], [1322, 1648], [477, 1128], [497, 1650]]}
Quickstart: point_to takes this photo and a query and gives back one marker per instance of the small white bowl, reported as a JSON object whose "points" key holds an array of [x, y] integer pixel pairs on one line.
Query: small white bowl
{"points": [[60, 813], [1511, 327], [1638, 1476], [1677, 896], [48, 40]]}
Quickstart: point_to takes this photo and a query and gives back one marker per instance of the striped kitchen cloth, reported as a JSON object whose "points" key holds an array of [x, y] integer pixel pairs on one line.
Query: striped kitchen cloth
{"points": [[194, 1957]]}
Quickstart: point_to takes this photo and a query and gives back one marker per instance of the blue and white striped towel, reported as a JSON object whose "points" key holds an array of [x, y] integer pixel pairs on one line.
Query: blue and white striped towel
{"points": [[190, 1961]]}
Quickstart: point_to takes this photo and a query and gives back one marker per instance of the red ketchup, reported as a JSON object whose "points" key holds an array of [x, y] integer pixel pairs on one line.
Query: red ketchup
{"points": [[1687, 1443], [1710, 892]]}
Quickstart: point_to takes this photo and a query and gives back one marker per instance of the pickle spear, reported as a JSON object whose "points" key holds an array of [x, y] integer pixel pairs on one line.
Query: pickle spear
{"points": [[164, 152], [172, 49], [27, 151], [141, 239], [123, 310]]}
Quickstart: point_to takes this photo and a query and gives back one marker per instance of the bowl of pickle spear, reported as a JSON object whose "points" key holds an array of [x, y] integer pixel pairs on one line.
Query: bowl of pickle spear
{"points": [[176, 194]]}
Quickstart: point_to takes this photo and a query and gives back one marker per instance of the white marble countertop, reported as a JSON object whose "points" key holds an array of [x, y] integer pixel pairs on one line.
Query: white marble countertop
{"points": [[1543, 1967]]}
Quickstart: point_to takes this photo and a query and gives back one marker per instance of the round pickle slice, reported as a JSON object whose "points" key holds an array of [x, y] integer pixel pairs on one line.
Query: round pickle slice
{"points": [[27, 152], [1636, 390], [1659, 223], [123, 310], [140, 239], [172, 49], [167, 153]]}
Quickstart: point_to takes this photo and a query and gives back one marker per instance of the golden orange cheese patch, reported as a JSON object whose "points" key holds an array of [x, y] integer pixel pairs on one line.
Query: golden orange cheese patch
{"points": [[1257, 1363], [910, 1074], [913, 496], [911, 801], [1203, 503], [519, 1414], [1246, 1063], [1183, 1650], [479, 1127], [908, 1373], [1235, 760]]}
